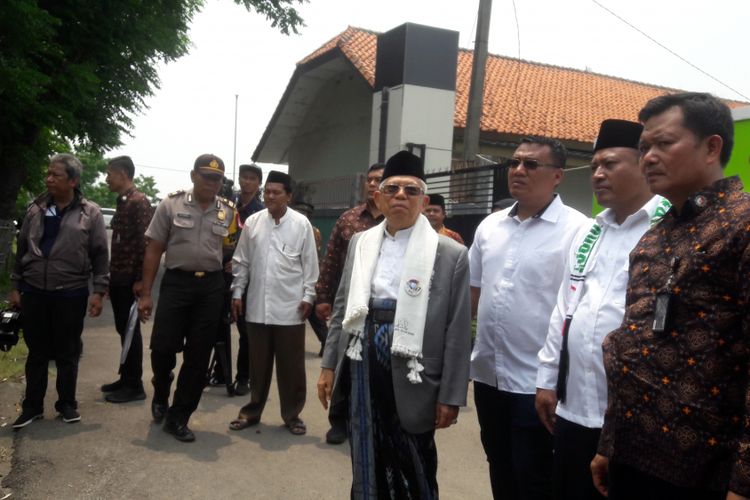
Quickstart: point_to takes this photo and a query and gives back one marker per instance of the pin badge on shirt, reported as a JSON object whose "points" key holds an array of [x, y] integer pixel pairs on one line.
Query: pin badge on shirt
{"points": [[413, 287], [221, 215]]}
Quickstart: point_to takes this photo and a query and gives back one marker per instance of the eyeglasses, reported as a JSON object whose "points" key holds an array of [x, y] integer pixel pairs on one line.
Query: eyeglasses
{"points": [[529, 164], [394, 189]]}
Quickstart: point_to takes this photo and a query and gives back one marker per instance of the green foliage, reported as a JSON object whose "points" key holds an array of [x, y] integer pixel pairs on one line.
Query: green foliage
{"points": [[93, 186], [12, 363], [77, 72]]}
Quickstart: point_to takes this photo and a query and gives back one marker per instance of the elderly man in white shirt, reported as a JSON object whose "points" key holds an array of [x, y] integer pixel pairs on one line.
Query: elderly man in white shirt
{"points": [[276, 261], [517, 263], [571, 384]]}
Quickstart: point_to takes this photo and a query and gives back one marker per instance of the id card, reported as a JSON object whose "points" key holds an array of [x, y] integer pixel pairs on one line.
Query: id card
{"points": [[661, 312]]}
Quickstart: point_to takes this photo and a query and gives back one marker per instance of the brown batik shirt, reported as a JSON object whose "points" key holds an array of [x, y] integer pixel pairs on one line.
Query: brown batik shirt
{"points": [[129, 224], [678, 400], [352, 221]]}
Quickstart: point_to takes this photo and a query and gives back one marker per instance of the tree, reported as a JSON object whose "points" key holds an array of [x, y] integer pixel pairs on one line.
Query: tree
{"points": [[77, 71], [92, 181]]}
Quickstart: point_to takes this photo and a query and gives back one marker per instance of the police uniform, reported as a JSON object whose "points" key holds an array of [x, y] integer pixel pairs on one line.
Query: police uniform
{"points": [[191, 295]]}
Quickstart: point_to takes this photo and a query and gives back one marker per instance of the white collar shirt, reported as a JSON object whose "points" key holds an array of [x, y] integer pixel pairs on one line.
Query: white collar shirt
{"points": [[387, 274], [277, 264], [600, 310], [519, 266]]}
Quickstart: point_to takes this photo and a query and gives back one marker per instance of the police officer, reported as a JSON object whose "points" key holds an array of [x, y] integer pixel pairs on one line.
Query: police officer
{"points": [[192, 227]]}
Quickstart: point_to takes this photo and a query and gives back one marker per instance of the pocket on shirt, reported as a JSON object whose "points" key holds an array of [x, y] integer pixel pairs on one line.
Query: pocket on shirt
{"points": [[183, 223], [220, 230], [540, 268], [289, 258]]}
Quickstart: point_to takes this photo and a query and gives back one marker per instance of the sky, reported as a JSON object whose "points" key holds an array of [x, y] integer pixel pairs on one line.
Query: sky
{"points": [[237, 53]]}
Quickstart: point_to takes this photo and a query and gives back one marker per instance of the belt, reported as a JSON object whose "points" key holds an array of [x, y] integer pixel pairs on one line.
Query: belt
{"points": [[193, 274], [382, 310]]}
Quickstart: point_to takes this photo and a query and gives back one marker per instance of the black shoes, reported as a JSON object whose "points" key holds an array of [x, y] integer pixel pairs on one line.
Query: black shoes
{"points": [[241, 387], [114, 386], [69, 415], [26, 417], [158, 411], [335, 435], [126, 394], [181, 432]]}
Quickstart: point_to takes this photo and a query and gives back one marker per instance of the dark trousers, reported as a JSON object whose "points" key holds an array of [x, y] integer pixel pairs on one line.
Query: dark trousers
{"points": [[319, 327], [285, 343], [575, 447], [518, 447], [626, 483], [186, 320], [121, 297], [52, 329], [243, 356]]}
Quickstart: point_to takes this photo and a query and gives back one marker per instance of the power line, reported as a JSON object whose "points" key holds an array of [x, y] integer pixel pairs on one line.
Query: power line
{"points": [[141, 165], [678, 56]]}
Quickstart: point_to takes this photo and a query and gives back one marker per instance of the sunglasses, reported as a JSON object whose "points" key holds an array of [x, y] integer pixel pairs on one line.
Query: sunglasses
{"points": [[529, 164], [394, 189], [211, 177]]}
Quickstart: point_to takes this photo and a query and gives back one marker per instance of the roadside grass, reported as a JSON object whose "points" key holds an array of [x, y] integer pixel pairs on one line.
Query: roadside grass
{"points": [[12, 362]]}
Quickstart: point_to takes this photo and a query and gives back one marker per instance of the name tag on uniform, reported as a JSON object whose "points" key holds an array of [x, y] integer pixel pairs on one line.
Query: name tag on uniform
{"points": [[184, 216]]}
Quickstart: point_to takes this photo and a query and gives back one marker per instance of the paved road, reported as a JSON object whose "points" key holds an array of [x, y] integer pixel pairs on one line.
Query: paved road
{"points": [[117, 452]]}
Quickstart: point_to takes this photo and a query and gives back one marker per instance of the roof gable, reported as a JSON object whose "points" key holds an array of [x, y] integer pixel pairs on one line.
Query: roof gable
{"points": [[520, 97]]}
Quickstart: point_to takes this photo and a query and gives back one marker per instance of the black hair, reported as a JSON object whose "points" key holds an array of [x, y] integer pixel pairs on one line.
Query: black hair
{"points": [[559, 153], [124, 163], [253, 168], [376, 166], [703, 114]]}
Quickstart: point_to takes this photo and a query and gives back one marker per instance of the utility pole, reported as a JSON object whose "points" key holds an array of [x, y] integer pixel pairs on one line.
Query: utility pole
{"points": [[234, 155], [476, 91]]}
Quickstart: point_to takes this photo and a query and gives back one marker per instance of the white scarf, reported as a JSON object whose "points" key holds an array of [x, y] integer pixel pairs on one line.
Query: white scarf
{"points": [[413, 293]]}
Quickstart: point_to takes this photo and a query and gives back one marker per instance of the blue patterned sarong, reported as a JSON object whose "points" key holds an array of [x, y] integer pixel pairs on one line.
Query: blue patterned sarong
{"points": [[387, 461]]}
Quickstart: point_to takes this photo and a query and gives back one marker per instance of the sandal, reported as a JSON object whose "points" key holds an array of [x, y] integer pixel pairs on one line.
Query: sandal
{"points": [[297, 427], [243, 423]]}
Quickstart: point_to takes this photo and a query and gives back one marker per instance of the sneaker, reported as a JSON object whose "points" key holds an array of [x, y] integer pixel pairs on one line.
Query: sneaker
{"points": [[126, 394], [114, 386], [241, 387], [69, 415], [26, 417], [216, 381]]}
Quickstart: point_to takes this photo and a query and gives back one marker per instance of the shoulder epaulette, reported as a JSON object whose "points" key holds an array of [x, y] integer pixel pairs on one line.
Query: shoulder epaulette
{"points": [[227, 202], [176, 193]]}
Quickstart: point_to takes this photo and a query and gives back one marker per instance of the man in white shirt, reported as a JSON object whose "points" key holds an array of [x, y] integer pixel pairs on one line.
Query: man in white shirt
{"points": [[590, 304], [517, 264], [276, 262]]}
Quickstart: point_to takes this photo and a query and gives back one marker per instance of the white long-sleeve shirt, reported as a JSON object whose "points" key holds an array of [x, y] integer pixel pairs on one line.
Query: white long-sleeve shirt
{"points": [[600, 310], [278, 266], [519, 266]]}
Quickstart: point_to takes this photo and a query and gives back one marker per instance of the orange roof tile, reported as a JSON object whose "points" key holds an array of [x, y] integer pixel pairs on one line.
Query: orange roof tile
{"points": [[522, 97]]}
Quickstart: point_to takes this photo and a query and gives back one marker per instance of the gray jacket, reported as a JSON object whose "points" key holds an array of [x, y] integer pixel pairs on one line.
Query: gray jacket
{"points": [[446, 347], [79, 251]]}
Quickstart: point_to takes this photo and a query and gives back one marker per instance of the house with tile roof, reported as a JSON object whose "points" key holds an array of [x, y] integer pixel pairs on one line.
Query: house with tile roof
{"points": [[321, 126]]}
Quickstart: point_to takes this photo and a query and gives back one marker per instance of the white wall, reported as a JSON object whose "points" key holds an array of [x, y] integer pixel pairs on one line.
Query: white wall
{"points": [[333, 138], [420, 115]]}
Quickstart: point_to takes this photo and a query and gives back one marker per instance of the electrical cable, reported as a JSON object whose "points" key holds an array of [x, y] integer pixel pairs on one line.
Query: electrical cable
{"points": [[678, 56]]}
